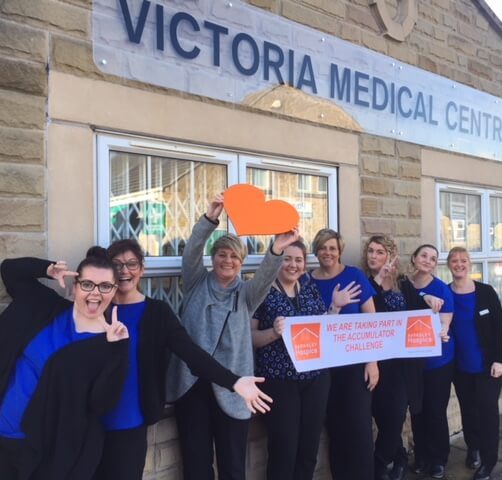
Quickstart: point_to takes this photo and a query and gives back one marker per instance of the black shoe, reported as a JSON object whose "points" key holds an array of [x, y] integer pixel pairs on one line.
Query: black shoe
{"points": [[382, 471], [398, 472], [472, 460], [482, 473], [419, 467], [437, 471]]}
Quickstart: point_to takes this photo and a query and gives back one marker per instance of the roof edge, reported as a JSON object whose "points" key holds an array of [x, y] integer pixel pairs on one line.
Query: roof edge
{"points": [[490, 14]]}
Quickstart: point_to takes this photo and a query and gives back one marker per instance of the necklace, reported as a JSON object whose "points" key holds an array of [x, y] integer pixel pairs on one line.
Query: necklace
{"points": [[295, 302]]}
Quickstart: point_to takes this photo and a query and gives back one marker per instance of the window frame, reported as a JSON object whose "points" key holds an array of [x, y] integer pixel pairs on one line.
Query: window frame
{"points": [[485, 256], [236, 163]]}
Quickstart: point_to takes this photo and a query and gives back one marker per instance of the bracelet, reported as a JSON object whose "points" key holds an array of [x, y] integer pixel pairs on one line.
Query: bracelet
{"points": [[214, 222]]}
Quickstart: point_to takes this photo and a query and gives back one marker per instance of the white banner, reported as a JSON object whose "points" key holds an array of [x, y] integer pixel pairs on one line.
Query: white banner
{"points": [[323, 341]]}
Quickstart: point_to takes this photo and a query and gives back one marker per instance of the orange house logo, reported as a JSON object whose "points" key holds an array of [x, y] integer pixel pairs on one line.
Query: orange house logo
{"points": [[306, 340], [419, 332]]}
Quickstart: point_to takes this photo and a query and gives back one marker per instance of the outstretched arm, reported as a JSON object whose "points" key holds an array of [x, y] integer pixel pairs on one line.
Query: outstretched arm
{"points": [[255, 399]]}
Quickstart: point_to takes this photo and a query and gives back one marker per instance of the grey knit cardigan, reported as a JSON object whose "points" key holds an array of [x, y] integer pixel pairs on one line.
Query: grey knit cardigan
{"points": [[218, 319]]}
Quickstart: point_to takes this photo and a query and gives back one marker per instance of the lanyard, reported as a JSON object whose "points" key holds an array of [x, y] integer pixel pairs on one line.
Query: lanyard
{"points": [[295, 301]]}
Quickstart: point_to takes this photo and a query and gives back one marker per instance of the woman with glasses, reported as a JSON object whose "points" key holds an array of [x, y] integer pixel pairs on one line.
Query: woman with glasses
{"points": [[154, 331], [349, 421], [430, 427], [62, 366], [401, 383], [217, 309], [477, 327]]}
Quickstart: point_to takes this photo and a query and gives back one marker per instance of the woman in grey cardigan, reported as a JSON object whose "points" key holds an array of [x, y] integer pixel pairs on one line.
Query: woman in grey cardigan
{"points": [[217, 307]]}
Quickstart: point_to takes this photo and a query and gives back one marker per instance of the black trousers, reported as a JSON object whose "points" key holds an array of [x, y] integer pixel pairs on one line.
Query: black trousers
{"points": [[7, 468], [349, 424], [430, 427], [390, 403], [294, 426], [200, 422], [478, 395], [123, 455]]}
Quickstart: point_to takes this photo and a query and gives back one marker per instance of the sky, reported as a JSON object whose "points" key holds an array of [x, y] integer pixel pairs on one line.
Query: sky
{"points": [[496, 6]]}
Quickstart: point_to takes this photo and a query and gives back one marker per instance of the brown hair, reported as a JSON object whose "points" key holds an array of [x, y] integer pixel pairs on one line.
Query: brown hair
{"points": [[325, 234], [127, 245], [97, 257], [299, 244], [417, 250], [231, 242]]}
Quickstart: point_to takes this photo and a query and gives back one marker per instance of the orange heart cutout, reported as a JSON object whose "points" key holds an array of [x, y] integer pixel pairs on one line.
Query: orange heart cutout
{"points": [[252, 215]]}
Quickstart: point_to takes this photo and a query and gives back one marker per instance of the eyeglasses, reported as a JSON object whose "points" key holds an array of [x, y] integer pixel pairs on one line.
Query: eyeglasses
{"points": [[89, 286], [131, 265]]}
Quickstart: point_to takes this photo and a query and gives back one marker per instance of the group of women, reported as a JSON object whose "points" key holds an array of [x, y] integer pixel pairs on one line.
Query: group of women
{"points": [[471, 352], [81, 381]]}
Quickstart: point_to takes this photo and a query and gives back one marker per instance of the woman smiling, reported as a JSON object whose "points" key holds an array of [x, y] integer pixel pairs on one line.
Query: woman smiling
{"points": [[430, 426], [477, 327], [349, 421], [63, 366], [217, 307], [294, 424]]}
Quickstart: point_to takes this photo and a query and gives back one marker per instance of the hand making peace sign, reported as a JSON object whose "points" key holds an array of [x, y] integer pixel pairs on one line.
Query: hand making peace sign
{"points": [[115, 331]]}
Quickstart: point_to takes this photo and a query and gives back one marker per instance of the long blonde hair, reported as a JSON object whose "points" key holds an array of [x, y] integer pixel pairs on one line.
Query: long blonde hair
{"points": [[390, 247]]}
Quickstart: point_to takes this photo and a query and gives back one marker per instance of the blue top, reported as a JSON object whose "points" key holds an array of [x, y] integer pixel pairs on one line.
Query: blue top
{"points": [[127, 413], [29, 366], [439, 289], [468, 353], [347, 275], [273, 360]]}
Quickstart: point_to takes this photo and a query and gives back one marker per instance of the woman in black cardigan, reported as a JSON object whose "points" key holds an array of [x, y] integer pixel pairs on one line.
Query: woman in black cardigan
{"points": [[62, 366], [155, 331], [477, 327]]}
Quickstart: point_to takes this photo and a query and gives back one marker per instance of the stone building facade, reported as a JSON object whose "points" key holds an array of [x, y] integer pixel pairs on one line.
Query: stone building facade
{"points": [[54, 101]]}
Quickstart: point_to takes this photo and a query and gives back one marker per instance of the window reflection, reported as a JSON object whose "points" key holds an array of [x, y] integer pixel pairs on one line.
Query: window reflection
{"points": [[157, 200], [495, 276], [496, 223], [460, 221], [308, 193]]}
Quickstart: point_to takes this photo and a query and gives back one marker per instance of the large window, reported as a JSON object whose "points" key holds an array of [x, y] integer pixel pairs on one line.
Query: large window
{"points": [[472, 218], [154, 191]]}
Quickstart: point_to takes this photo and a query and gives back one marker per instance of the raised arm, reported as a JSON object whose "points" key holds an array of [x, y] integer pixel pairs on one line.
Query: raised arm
{"points": [[192, 266], [20, 275], [260, 284]]}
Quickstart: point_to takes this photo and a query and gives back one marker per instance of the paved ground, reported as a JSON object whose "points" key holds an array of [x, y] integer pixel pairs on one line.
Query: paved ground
{"points": [[456, 469]]}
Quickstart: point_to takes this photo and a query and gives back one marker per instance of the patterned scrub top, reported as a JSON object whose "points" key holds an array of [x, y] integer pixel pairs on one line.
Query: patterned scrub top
{"points": [[273, 360]]}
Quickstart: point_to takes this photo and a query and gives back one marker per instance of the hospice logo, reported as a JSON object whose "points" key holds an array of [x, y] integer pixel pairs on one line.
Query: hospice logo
{"points": [[306, 340], [419, 332]]}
